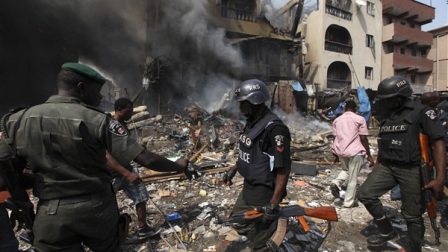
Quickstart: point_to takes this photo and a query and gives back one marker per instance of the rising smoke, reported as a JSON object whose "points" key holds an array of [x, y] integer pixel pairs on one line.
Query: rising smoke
{"points": [[202, 63], [116, 36]]}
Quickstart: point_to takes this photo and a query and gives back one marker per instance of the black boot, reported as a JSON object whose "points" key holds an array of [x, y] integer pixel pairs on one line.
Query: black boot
{"points": [[414, 246], [385, 233]]}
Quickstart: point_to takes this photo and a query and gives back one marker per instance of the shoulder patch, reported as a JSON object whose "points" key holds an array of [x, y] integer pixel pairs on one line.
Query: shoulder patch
{"points": [[431, 114], [116, 128], [279, 140]]}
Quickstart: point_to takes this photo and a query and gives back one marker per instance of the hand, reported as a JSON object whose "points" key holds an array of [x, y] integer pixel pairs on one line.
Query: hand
{"points": [[436, 186], [271, 213], [228, 176], [182, 162], [191, 173], [133, 178]]}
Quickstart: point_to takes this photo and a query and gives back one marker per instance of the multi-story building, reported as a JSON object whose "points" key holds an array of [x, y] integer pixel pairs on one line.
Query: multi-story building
{"points": [[405, 46], [341, 39], [267, 50], [439, 55]]}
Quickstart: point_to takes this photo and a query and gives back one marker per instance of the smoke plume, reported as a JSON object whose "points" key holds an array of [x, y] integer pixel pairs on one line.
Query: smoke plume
{"points": [[116, 36]]}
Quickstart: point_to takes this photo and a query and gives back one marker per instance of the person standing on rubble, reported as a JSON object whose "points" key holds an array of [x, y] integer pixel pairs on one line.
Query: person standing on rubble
{"points": [[350, 147], [399, 161], [432, 99], [137, 192], [264, 162], [65, 141]]}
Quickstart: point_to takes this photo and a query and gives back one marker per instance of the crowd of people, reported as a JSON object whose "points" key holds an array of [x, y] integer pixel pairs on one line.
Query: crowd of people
{"points": [[80, 156]]}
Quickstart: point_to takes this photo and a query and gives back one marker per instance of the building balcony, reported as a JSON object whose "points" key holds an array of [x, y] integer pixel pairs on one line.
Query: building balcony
{"points": [[399, 33], [243, 15], [340, 13], [338, 47], [337, 83], [409, 9], [408, 62]]}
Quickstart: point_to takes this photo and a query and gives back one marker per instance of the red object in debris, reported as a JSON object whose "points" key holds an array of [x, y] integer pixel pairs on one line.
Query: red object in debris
{"points": [[4, 195]]}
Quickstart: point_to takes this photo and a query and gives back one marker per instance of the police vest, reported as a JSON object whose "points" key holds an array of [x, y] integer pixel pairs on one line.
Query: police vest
{"points": [[398, 138], [253, 164]]}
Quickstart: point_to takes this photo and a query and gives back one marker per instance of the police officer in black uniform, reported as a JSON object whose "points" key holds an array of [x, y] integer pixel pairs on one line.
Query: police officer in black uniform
{"points": [[399, 159], [65, 140], [264, 162]]}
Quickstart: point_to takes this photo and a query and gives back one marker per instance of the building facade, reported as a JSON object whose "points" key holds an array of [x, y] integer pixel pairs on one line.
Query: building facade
{"points": [[439, 55], [342, 44], [405, 46], [268, 51]]}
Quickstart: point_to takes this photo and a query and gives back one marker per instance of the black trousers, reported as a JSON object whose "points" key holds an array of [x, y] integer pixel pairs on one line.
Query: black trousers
{"points": [[381, 180], [8, 241]]}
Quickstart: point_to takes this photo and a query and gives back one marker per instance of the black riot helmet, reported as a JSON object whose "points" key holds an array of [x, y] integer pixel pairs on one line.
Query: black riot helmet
{"points": [[253, 90], [394, 86]]}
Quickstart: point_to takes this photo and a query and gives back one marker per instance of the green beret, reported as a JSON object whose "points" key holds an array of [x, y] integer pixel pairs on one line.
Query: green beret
{"points": [[84, 71]]}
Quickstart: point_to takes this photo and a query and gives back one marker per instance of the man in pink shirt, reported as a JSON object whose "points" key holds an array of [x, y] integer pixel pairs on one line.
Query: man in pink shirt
{"points": [[350, 147]]}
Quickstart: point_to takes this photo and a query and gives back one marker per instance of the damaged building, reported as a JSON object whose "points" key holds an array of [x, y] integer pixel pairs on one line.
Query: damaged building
{"points": [[231, 41]]}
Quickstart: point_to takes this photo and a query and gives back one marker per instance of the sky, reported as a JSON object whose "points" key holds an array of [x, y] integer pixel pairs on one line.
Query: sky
{"points": [[441, 13], [441, 6]]}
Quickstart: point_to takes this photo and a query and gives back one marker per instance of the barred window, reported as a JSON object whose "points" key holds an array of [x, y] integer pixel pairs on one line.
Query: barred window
{"points": [[369, 73], [371, 8], [370, 42]]}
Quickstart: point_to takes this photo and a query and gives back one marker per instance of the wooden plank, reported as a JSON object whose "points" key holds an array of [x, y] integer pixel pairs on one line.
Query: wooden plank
{"points": [[163, 176]]}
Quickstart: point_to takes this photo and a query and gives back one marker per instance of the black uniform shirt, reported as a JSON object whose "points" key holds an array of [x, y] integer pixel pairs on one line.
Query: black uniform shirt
{"points": [[276, 143], [429, 123]]}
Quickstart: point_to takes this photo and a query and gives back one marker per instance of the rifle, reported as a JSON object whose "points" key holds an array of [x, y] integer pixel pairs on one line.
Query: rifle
{"points": [[324, 212], [22, 209], [277, 239], [426, 175], [15, 180]]}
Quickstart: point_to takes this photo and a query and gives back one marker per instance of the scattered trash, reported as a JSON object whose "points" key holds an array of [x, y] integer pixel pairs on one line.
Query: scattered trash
{"points": [[174, 216]]}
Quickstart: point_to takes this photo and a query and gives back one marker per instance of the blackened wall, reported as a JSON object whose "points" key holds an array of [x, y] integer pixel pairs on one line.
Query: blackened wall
{"points": [[31, 54]]}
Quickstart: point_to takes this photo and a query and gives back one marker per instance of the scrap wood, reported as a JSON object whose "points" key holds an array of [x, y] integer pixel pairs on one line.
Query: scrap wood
{"points": [[307, 148], [211, 156], [196, 155], [325, 133], [162, 176], [315, 162]]}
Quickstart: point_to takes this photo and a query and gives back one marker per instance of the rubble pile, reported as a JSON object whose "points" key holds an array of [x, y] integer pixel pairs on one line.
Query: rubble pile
{"points": [[191, 213]]}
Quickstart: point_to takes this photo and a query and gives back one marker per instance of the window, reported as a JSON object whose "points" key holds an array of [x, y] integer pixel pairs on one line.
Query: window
{"points": [[390, 48], [369, 73], [402, 51], [390, 20], [414, 51], [413, 79], [423, 51], [369, 41], [371, 8]]}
